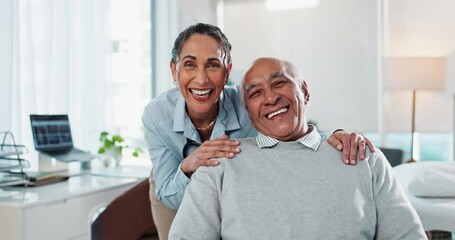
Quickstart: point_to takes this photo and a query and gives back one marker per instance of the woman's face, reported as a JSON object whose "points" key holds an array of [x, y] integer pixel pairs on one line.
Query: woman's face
{"points": [[200, 74]]}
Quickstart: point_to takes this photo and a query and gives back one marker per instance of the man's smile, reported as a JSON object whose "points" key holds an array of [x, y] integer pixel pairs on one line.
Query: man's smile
{"points": [[279, 111]]}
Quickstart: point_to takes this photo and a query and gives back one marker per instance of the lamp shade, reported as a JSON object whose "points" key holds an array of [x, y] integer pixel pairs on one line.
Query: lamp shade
{"points": [[426, 76], [414, 73]]}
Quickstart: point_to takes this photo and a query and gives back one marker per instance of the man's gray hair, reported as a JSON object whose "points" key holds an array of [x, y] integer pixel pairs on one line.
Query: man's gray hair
{"points": [[293, 71]]}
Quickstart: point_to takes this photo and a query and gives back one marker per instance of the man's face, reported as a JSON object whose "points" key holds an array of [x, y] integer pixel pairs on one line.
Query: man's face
{"points": [[275, 101]]}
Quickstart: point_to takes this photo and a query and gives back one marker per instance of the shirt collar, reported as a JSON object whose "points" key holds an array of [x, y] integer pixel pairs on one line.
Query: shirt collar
{"points": [[224, 121], [311, 139]]}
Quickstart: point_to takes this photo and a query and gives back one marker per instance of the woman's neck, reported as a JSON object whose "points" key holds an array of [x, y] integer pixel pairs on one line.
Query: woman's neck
{"points": [[205, 134], [204, 123]]}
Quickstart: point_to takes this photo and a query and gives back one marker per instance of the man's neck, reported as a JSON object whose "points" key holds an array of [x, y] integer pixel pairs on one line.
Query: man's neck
{"points": [[306, 130]]}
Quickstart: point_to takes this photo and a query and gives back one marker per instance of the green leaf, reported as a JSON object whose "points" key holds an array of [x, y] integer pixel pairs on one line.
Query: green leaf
{"points": [[108, 144], [137, 151], [103, 136], [117, 138], [101, 150]]}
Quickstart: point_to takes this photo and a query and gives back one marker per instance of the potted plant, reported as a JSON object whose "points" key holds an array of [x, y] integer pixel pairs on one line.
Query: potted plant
{"points": [[111, 146]]}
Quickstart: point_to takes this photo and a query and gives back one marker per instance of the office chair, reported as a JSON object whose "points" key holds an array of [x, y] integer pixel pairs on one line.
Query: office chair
{"points": [[127, 217]]}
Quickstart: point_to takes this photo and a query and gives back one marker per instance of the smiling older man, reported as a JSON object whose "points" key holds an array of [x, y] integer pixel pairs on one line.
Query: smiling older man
{"points": [[285, 184]]}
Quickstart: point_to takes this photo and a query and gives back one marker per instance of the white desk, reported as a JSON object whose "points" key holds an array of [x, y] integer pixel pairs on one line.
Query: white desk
{"points": [[61, 210]]}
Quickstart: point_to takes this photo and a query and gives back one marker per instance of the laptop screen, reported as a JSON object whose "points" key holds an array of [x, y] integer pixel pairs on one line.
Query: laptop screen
{"points": [[51, 132]]}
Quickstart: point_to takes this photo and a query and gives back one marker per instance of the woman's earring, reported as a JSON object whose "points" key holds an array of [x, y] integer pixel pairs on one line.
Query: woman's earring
{"points": [[174, 82]]}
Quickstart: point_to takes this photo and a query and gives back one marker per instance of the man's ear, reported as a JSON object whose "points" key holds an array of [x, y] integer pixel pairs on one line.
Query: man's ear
{"points": [[173, 67], [305, 92]]}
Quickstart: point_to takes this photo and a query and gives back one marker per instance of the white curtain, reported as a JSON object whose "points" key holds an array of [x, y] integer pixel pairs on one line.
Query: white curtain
{"points": [[60, 64], [165, 30]]}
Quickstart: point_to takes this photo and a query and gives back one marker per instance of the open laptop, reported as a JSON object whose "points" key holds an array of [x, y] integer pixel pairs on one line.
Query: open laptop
{"points": [[52, 136]]}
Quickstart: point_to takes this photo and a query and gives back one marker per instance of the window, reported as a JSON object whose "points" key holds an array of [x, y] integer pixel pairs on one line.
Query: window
{"points": [[131, 70], [87, 59], [429, 146], [130, 89]]}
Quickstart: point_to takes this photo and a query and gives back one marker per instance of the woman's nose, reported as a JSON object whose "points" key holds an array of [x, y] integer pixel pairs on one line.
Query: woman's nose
{"points": [[201, 75]]}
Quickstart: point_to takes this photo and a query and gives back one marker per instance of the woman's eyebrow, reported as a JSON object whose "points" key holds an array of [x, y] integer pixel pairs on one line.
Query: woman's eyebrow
{"points": [[213, 59], [189, 56], [195, 58]]}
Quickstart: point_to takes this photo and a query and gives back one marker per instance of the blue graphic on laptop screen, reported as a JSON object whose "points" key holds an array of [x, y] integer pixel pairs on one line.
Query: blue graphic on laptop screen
{"points": [[51, 132]]}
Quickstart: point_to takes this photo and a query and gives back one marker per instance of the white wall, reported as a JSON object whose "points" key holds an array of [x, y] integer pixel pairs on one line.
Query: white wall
{"points": [[335, 45], [420, 28], [195, 11]]}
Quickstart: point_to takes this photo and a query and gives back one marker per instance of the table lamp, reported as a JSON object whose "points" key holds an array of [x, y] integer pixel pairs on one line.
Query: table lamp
{"points": [[414, 74]]}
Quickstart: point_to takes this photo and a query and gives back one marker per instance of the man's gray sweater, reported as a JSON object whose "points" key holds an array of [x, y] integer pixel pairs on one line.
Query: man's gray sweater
{"points": [[294, 192]]}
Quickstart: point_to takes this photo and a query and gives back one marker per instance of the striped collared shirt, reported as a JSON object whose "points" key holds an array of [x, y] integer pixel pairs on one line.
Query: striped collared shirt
{"points": [[311, 139]]}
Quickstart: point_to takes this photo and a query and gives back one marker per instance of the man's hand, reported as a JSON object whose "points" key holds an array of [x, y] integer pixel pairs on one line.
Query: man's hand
{"points": [[351, 144], [206, 154]]}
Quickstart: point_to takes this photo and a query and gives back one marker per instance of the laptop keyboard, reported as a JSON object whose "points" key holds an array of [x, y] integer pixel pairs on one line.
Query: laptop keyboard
{"points": [[72, 155]]}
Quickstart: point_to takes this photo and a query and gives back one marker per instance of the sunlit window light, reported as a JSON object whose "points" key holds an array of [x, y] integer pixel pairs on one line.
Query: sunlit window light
{"points": [[277, 5]]}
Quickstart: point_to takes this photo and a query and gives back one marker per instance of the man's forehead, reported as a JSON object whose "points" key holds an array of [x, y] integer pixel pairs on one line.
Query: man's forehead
{"points": [[270, 64], [264, 69], [253, 81]]}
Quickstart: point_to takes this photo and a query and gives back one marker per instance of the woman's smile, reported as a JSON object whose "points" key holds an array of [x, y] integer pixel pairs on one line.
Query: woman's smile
{"points": [[201, 94]]}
